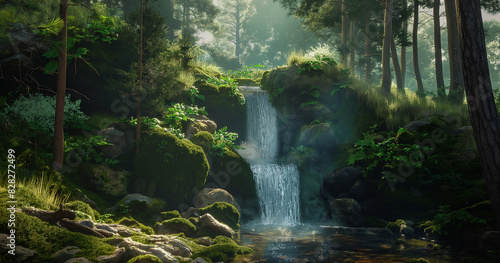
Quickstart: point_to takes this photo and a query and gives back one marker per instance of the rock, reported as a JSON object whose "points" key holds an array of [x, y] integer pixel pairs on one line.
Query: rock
{"points": [[363, 189], [408, 231], [116, 257], [340, 181], [163, 255], [180, 248], [78, 260], [24, 45], [105, 227], [414, 125], [123, 231], [175, 226], [120, 143], [132, 252], [191, 212], [318, 136], [128, 242], [201, 123], [209, 223], [103, 178], [199, 260], [135, 197], [205, 241], [347, 211], [22, 254], [106, 233], [65, 253], [491, 239], [208, 196], [75, 227], [87, 222]]}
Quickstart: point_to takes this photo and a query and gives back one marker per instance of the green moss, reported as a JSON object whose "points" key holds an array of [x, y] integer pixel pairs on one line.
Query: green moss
{"points": [[179, 224], [84, 208], [170, 214], [246, 82], [145, 259], [46, 239], [170, 168], [203, 139], [223, 250], [223, 212], [134, 223]]}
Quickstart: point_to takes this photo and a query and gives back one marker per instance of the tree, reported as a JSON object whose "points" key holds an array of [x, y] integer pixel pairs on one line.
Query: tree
{"points": [[395, 65], [481, 103], [437, 48], [138, 127], [236, 14], [403, 46], [416, 65], [61, 89], [386, 48], [456, 70]]}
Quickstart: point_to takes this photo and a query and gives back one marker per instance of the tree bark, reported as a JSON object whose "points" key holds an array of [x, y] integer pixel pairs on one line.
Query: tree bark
{"points": [[416, 64], [61, 89], [437, 51], [352, 52], [403, 47], [368, 44], [481, 102], [237, 30], [456, 93], [343, 36], [395, 65], [138, 128], [386, 48]]}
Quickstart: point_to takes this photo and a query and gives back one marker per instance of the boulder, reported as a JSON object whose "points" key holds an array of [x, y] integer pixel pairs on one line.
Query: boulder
{"points": [[104, 179], [78, 260], [340, 181], [347, 211], [175, 226], [363, 189], [318, 136], [200, 123], [120, 144], [180, 248], [205, 241], [65, 253], [414, 125], [199, 260], [163, 255], [209, 223], [208, 196], [22, 254], [116, 257]]}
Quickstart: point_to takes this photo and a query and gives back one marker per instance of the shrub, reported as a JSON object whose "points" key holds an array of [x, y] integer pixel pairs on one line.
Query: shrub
{"points": [[38, 110], [222, 139]]}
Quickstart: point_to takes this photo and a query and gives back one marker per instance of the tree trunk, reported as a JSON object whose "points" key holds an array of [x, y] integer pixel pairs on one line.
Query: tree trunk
{"points": [[368, 43], [456, 92], [403, 47], [352, 52], [416, 65], [61, 90], [343, 36], [386, 48], [395, 65], [438, 54], [481, 102], [237, 30], [138, 128]]}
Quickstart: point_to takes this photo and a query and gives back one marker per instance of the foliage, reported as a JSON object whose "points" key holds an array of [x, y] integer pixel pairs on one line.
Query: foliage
{"points": [[147, 123], [179, 113], [448, 222], [246, 72], [37, 111], [194, 93], [223, 80], [223, 139], [454, 180], [86, 147]]}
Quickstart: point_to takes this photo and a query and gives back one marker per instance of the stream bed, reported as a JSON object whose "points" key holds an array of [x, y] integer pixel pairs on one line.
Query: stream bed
{"points": [[316, 243]]}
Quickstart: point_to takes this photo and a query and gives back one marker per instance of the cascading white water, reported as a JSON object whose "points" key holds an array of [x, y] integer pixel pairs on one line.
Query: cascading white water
{"points": [[278, 185]]}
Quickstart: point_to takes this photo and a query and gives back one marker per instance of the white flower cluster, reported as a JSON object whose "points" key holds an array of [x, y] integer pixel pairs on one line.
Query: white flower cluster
{"points": [[39, 112]]}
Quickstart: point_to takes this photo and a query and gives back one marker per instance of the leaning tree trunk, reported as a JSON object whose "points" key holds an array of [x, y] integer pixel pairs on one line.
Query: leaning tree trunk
{"points": [[386, 48], [437, 51], [343, 36], [456, 93], [403, 47], [395, 65], [416, 64], [481, 102], [61, 90]]}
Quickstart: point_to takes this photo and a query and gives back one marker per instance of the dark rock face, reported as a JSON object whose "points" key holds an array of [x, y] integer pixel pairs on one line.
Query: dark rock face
{"points": [[347, 211], [340, 181]]}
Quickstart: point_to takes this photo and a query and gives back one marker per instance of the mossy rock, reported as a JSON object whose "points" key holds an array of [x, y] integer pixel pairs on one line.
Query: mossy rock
{"points": [[223, 107], [395, 226], [84, 208], [102, 178], [223, 212], [46, 239], [224, 250], [170, 214], [175, 225], [169, 168], [247, 82], [230, 172], [145, 259], [203, 139], [130, 222]]}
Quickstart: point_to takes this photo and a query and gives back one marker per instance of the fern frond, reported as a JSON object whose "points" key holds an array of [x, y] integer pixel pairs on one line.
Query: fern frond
{"points": [[8, 15], [53, 26]]}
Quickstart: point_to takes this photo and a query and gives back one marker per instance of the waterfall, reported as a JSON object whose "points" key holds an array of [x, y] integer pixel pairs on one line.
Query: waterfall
{"points": [[278, 185]]}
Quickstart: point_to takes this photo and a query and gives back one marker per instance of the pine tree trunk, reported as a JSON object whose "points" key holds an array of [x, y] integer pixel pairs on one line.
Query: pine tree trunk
{"points": [[403, 47], [237, 30], [456, 93], [416, 64], [481, 102], [138, 128], [395, 65], [343, 36], [386, 48], [352, 53], [438, 54], [368, 44], [61, 90]]}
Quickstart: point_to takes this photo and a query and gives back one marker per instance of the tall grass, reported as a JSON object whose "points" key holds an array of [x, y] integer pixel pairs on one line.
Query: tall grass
{"points": [[397, 109]]}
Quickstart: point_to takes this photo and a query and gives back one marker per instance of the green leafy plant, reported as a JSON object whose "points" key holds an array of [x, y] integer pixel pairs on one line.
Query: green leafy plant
{"points": [[316, 65], [179, 112], [146, 122], [230, 82], [309, 103], [194, 93], [223, 139], [245, 72], [448, 222], [86, 148]]}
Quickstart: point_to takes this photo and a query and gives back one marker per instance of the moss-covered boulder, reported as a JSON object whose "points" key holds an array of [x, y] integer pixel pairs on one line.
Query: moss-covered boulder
{"points": [[224, 213], [175, 226], [231, 172], [170, 168], [83, 210], [145, 259], [130, 222], [102, 178], [246, 82], [170, 214], [203, 139], [223, 106], [223, 250]]}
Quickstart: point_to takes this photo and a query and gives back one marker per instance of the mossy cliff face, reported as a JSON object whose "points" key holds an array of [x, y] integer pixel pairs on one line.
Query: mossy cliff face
{"points": [[169, 168]]}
